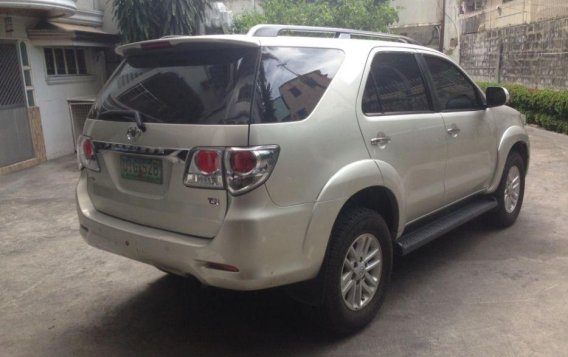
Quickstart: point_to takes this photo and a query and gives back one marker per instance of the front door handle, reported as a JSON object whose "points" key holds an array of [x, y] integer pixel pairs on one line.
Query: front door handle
{"points": [[453, 130], [381, 140]]}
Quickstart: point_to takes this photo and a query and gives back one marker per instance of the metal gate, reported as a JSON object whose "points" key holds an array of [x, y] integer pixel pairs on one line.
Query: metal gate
{"points": [[15, 136]]}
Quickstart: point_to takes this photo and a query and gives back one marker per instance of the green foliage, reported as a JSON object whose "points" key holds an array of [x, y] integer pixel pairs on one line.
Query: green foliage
{"points": [[370, 15], [147, 19], [545, 107]]}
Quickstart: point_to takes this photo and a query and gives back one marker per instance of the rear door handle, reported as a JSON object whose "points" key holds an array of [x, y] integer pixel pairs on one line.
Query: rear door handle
{"points": [[381, 139], [453, 130]]}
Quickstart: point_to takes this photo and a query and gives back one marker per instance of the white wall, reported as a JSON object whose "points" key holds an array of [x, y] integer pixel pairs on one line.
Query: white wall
{"points": [[240, 6], [418, 12], [20, 24], [108, 22], [87, 4], [452, 30], [52, 99]]}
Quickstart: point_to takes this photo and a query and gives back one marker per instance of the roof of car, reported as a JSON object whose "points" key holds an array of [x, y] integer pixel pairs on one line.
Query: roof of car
{"points": [[286, 35], [245, 40]]}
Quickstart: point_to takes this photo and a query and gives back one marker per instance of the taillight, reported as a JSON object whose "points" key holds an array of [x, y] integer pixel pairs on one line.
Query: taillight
{"points": [[242, 161], [248, 168], [204, 168], [208, 161], [240, 170], [86, 154]]}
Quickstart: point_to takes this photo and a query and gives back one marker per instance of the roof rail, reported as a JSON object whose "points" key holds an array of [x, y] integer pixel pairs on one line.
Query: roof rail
{"points": [[268, 30]]}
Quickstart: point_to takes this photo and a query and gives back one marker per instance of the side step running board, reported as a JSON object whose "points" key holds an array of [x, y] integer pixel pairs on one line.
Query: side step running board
{"points": [[424, 235]]}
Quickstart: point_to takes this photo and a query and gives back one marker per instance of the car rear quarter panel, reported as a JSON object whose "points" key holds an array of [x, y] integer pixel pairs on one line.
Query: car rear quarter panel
{"points": [[314, 149]]}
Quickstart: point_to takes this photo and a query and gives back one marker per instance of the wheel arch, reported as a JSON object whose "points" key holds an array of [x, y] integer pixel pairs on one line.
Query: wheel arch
{"points": [[522, 148], [379, 199], [358, 183], [516, 139]]}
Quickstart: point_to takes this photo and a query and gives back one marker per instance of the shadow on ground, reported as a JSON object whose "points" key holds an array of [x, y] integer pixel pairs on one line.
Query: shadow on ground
{"points": [[174, 317]]}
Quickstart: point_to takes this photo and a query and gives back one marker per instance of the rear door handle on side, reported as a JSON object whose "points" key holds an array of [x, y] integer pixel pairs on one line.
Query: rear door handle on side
{"points": [[381, 139], [453, 130]]}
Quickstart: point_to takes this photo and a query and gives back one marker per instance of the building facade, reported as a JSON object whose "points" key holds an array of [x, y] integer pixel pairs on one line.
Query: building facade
{"points": [[52, 52], [484, 15], [421, 21], [522, 41], [514, 41]]}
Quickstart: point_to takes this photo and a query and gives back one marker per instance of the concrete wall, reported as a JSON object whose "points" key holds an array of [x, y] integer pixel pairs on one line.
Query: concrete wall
{"points": [[533, 54], [420, 20], [87, 4], [51, 97], [452, 30], [240, 6], [108, 22], [414, 13], [499, 13]]}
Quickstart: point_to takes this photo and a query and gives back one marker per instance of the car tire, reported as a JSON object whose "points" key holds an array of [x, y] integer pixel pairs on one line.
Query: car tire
{"points": [[510, 193], [356, 271]]}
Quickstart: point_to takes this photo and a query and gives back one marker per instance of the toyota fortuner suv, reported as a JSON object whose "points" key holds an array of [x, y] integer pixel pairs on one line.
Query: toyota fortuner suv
{"points": [[281, 158]]}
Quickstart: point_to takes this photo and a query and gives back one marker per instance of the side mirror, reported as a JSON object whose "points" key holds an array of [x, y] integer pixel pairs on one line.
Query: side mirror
{"points": [[496, 96]]}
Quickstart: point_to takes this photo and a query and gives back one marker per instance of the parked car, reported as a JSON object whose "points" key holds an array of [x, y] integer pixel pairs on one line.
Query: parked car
{"points": [[263, 160]]}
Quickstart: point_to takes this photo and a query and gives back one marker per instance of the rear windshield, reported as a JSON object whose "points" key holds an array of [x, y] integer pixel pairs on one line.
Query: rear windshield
{"points": [[218, 86]]}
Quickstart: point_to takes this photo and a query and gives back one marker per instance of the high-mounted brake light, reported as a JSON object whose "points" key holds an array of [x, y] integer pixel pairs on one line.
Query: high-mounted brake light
{"points": [[156, 45], [238, 169], [86, 154]]}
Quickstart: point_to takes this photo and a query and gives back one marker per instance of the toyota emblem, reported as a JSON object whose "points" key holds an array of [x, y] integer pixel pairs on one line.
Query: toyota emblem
{"points": [[132, 134]]}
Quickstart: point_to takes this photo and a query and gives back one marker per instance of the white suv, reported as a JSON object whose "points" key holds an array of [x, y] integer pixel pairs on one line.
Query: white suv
{"points": [[256, 161]]}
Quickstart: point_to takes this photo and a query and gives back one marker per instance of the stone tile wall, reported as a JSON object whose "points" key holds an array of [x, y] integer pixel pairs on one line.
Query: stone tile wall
{"points": [[534, 54]]}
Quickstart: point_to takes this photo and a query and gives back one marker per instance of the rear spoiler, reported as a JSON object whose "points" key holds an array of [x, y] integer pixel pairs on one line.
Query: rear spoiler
{"points": [[174, 41]]}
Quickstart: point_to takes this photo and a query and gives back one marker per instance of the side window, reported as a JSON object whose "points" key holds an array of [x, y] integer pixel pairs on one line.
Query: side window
{"points": [[292, 80], [395, 84], [454, 90]]}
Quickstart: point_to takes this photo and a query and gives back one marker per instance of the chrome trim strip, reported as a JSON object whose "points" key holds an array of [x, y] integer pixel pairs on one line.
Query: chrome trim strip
{"points": [[175, 155]]}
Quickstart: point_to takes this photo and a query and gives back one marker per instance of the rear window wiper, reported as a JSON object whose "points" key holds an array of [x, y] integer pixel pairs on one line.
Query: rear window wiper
{"points": [[131, 114]]}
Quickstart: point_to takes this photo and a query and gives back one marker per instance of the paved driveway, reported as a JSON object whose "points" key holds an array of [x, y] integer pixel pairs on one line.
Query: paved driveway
{"points": [[476, 291]]}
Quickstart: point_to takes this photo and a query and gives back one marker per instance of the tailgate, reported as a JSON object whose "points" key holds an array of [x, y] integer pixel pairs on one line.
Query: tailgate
{"points": [[186, 98]]}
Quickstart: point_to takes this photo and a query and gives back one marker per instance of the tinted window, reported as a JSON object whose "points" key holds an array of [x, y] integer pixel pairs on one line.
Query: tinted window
{"points": [[185, 86], [395, 84], [454, 90], [292, 80]]}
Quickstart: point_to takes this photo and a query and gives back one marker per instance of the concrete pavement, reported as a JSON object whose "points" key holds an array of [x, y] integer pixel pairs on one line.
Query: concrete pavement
{"points": [[477, 291]]}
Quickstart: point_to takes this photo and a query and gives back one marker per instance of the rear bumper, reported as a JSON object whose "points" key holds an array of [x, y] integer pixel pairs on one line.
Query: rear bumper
{"points": [[264, 241]]}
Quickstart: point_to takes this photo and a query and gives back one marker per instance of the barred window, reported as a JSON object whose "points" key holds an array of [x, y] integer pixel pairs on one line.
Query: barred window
{"points": [[61, 61]]}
